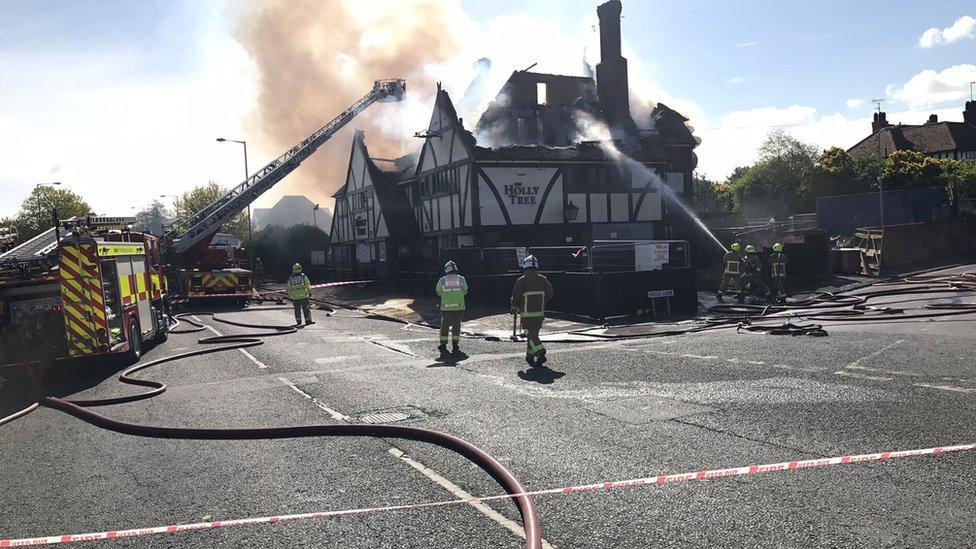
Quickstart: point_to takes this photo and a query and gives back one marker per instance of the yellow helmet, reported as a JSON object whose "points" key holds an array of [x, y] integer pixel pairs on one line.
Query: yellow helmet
{"points": [[296, 268], [735, 247], [750, 249], [777, 247]]}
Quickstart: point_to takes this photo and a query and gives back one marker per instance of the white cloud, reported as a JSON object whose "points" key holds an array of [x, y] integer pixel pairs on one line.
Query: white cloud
{"points": [[964, 27], [735, 81], [854, 102], [929, 87], [747, 44], [738, 138]]}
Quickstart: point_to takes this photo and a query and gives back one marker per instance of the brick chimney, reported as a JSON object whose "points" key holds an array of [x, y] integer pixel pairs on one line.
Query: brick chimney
{"points": [[880, 121], [611, 72], [969, 115], [933, 118]]}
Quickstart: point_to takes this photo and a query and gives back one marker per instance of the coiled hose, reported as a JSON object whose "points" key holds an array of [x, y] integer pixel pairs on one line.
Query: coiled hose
{"points": [[78, 409]]}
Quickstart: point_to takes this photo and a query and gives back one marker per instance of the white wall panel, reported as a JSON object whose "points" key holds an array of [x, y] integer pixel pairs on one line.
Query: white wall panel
{"points": [[598, 208], [650, 209], [619, 207]]}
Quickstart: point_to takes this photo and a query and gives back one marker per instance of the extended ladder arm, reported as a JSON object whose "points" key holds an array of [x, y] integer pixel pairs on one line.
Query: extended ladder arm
{"points": [[205, 223]]}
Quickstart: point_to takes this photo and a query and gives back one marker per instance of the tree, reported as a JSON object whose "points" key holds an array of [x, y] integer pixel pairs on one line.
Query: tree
{"points": [[907, 169], [35, 215], [783, 180], [198, 198], [152, 218], [841, 173]]}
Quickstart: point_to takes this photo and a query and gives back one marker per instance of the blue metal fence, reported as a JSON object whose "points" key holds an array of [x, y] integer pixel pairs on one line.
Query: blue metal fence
{"points": [[841, 215]]}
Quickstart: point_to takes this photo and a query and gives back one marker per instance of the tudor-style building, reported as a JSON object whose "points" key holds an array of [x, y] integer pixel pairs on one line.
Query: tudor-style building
{"points": [[372, 228]]}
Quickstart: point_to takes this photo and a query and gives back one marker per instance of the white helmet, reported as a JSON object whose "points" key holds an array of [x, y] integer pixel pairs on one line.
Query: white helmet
{"points": [[450, 267], [530, 262]]}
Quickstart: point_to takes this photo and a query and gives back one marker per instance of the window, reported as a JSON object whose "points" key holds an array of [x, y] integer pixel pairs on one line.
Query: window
{"points": [[541, 95]]}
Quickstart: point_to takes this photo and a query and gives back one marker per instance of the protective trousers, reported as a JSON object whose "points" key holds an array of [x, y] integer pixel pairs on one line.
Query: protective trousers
{"points": [[533, 345], [451, 322], [302, 306], [729, 280], [779, 282]]}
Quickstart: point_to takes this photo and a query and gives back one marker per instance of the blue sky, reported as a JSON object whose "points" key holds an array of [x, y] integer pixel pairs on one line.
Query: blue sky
{"points": [[122, 100]]}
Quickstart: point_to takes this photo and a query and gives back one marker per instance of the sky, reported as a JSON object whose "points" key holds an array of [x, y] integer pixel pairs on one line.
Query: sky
{"points": [[122, 101]]}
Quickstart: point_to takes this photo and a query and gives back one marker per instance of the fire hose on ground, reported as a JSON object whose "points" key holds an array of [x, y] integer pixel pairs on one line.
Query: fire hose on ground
{"points": [[78, 408]]}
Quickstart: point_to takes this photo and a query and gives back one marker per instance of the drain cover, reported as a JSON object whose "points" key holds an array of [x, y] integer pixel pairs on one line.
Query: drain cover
{"points": [[384, 417]]}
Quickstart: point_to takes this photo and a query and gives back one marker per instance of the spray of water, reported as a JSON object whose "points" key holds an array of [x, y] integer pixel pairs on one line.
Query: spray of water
{"points": [[591, 129]]}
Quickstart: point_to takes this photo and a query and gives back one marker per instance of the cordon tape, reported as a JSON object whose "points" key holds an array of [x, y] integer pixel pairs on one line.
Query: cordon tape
{"points": [[584, 488]]}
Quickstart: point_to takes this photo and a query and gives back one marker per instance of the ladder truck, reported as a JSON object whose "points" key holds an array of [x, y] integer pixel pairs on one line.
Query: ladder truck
{"points": [[198, 270]]}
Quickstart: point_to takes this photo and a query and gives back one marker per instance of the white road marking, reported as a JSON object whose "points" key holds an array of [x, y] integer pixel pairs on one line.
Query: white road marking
{"points": [[454, 489], [967, 390], [862, 376], [857, 362], [460, 493], [338, 416], [249, 356], [334, 359]]}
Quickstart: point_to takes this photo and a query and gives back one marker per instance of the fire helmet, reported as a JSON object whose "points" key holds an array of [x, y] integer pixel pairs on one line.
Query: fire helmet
{"points": [[750, 249], [296, 268], [450, 267], [530, 262], [778, 248], [735, 247]]}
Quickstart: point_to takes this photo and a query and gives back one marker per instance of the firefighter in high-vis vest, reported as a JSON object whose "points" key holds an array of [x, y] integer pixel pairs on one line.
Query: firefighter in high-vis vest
{"points": [[752, 278], [529, 297], [452, 287], [777, 267], [299, 290], [732, 277]]}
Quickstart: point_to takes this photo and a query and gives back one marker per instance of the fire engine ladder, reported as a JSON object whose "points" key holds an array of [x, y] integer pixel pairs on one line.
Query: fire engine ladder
{"points": [[43, 245], [205, 223]]}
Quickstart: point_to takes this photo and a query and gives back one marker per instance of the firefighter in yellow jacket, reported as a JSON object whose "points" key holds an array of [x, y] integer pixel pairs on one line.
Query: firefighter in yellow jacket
{"points": [[452, 287], [529, 297], [732, 277], [299, 290], [777, 267]]}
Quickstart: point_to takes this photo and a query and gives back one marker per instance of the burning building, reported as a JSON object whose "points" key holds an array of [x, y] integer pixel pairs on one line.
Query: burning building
{"points": [[530, 174]]}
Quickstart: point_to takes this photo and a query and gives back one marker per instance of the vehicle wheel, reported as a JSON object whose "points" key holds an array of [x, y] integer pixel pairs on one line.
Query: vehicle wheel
{"points": [[135, 342]]}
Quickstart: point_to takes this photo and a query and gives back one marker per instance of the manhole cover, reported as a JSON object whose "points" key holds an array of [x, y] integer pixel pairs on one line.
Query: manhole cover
{"points": [[384, 417]]}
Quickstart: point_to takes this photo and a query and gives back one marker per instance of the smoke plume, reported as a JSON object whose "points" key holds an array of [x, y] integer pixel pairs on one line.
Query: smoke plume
{"points": [[315, 58]]}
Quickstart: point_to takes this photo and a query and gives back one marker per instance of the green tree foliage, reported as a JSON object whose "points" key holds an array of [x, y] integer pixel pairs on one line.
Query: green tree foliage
{"points": [[198, 198], [35, 215], [782, 181], [841, 173], [153, 218], [279, 247]]}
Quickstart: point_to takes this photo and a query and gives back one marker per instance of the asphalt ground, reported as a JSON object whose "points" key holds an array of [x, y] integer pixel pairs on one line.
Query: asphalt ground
{"points": [[604, 410]]}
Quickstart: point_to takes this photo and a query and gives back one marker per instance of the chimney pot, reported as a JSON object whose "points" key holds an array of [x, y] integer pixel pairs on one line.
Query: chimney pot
{"points": [[969, 115], [933, 118], [880, 122]]}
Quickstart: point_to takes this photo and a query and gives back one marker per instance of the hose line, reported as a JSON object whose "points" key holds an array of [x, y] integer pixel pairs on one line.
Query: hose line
{"points": [[79, 409]]}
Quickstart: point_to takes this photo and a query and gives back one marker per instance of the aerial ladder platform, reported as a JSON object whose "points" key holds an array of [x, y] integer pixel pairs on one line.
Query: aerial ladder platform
{"points": [[203, 225]]}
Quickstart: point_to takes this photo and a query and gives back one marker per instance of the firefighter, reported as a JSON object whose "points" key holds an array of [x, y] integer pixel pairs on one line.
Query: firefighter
{"points": [[258, 271], [752, 279], [777, 267], [299, 290], [733, 272], [529, 297], [452, 287]]}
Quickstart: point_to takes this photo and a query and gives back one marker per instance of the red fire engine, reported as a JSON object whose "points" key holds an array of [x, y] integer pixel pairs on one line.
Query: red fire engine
{"points": [[89, 287]]}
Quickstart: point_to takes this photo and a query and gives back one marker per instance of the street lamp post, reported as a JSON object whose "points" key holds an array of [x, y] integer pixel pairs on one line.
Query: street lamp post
{"points": [[247, 173], [315, 220]]}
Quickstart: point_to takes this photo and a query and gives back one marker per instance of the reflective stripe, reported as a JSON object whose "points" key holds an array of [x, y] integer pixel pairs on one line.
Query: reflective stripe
{"points": [[526, 313], [731, 267]]}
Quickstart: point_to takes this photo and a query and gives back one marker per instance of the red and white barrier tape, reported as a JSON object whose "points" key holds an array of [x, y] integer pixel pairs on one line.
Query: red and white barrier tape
{"points": [[610, 485]]}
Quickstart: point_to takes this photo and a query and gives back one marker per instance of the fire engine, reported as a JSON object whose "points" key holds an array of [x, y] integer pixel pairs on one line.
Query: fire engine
{"points": [[199, 269], [88, 287]]}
